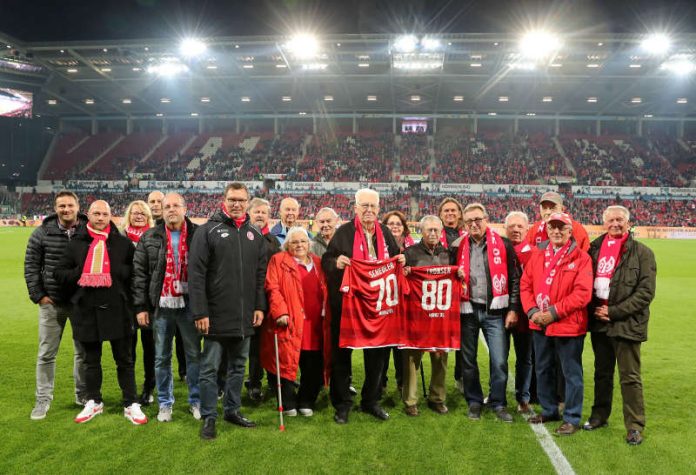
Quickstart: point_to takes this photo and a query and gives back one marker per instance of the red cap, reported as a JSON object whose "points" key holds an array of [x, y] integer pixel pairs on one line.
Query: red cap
{"points": [[562, 217]]}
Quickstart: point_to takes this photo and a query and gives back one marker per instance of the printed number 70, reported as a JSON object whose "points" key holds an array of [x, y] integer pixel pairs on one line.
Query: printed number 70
{"points": [[387, 288]]}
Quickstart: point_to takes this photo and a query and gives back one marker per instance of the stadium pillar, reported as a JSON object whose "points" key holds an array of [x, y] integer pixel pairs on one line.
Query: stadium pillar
{"points": [[314, 125], [598, 128], [355, 125], [557, 127], [475, 126], [129, 126], [516, 125], [394, 125], [639, 128], [275, 126], [95, 127], [236, 125], [680, 129]]}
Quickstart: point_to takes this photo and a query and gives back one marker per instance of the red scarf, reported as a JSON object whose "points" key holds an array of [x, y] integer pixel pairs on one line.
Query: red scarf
{"points": [[237, 221], [135, 233], [544, 280], [265, 230], [497, 266], [524, 252], [360, 244], [540, 234], [443, 237], [96, 271], [175, 283], [408, 242], [609, 256]]}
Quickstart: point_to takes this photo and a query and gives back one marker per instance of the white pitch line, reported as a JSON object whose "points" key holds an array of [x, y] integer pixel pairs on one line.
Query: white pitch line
{"points": [[553, 452]]}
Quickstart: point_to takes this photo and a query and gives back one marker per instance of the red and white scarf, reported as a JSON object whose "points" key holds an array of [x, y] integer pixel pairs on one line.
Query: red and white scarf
{"points": [[96, 271], [265, 230], [609, 256], [544, 280], [524, 252], [497, 266], [237, 221], [135, 233], [540, 234], [443, 237], [175, 284], [360, 244]]}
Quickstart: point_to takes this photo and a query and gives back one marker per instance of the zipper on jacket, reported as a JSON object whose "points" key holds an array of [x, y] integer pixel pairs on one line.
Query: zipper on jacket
{"points": [[241, 274]]}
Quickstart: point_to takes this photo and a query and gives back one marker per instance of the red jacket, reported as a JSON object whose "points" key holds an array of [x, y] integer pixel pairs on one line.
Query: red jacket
{"points": [[285, 297], [571, 292], [579, 234]]}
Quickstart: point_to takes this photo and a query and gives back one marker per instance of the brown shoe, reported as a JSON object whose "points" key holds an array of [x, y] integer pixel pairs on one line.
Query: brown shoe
{"points": [[524, 408], [566, 429], [438, 407], [634, 437], [540, 419], [411, 410]]}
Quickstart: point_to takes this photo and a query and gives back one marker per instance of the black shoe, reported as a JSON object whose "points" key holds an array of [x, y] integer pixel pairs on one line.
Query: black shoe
{"points": [[255, 394], [474, 412], [377, 412], [208, 429], [341, 416], [238, 419], [634, 437], [502, 414], [593, 424], [146, 398]]}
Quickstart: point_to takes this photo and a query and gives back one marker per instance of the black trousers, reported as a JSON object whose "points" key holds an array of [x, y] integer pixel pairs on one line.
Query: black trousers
{"points": [[255, 369], [398, 367], [311, 382], [121, 351], [147, 338]]}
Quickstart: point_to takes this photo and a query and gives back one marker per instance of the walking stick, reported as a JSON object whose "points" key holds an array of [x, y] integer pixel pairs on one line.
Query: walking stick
{"points": [[280, 396], [425, 394]]}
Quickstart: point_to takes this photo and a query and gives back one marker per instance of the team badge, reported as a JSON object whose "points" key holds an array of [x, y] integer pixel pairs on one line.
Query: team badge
{"points": [[250, 236]]}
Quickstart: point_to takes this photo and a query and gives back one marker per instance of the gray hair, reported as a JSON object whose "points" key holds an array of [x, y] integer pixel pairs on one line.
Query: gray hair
{"points": [[289, 198], [430, 217], [478, 206], [516, 214], [291, 231], [366, 191], [331, 211], [620, 208], [256, 202]]}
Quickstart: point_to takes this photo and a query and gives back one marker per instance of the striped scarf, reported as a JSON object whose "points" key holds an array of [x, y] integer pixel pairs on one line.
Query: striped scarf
{"points": [[97, 269]]}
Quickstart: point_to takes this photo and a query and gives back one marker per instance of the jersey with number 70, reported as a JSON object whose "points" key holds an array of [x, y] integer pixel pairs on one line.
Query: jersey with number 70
{"points": [[372, 304], [431, 309]]}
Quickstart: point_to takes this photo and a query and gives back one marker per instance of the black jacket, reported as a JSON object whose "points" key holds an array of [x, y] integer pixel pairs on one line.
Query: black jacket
{"points": [[631, 289], [44, 249], [227, 271], [419, 255], [272, 246], [342, 244], [513, 273], [98, 314], [150, 265]]}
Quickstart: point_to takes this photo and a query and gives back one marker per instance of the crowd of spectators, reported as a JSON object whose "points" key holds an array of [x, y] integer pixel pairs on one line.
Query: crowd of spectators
{"points": [[414, 157]]}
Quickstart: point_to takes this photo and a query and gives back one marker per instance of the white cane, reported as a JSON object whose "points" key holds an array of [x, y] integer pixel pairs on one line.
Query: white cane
{"points": [[280, 396]]}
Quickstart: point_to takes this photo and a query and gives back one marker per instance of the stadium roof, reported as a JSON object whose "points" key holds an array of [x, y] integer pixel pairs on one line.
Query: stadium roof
{"points": [[447, 74]]}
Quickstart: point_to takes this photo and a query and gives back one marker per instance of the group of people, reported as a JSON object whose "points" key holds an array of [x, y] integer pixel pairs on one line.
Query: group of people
{"points": [[236, 290]]}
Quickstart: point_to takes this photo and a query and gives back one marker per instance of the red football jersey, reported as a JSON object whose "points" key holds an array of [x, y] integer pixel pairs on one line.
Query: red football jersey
{"points": [[373, 292], [431, 309]]}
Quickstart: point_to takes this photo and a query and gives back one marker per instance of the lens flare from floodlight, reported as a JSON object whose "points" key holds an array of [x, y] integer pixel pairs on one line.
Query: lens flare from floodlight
{"points": [[303, 46], [192, 47], [168, 69], [539, 44], [430, 44], [681, 66], [405, 43], [657, 43]]}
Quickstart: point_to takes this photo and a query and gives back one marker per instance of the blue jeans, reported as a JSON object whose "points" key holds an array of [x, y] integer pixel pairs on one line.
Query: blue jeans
{"points": [[164, 326], [523, 364], [493, 327], [237, 350], [569, 351]]}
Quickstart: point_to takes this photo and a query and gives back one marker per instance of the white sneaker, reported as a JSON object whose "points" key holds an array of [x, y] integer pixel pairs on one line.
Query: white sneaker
{"points": [[90, 410], [40, 409], [134, 414], [307, 412], [195, 409], [164, 414], [290, 413]]}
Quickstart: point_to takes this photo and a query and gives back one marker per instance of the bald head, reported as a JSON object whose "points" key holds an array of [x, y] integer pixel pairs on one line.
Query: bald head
{"points": [[154, 201], [174, 210], [99, 215], [289, 211]]}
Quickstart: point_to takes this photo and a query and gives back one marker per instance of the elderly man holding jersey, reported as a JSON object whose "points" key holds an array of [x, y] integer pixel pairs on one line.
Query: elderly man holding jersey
{"points": [[624, 286]]}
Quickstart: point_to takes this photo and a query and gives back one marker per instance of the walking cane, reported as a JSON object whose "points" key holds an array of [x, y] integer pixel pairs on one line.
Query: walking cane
{"points": [[425, 394], [280, 396]]}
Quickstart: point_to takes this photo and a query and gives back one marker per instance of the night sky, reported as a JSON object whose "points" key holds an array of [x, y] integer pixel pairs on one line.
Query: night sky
{"points": [[65, 20]]}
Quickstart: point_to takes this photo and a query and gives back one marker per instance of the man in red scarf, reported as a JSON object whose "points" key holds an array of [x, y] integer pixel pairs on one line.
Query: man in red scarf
{"points": [[363, 238], [551, 202], [490, 304], [624, 286], [160, 296]]}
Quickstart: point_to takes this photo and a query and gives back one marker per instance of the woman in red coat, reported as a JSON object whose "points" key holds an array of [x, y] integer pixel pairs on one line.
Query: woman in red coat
{"points": [[556, 288], [297, 298]]}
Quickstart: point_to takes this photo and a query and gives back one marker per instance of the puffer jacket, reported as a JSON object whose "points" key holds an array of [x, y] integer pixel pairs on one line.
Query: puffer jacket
{"points": [[44, 250], [631, 289], [227, 271], [150, 265], [570, 293]]}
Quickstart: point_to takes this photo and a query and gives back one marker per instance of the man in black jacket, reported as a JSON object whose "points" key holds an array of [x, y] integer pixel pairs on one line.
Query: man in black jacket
{"points": [[46, 245], [160, 295], [490, 304], [625, 273], [96, 269], [334, 262], [227, 272]]}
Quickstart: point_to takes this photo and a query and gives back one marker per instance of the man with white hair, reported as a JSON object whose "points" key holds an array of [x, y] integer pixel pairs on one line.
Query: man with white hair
{"points": [[367, 239], [327, 219], [289, 211], [624, 285]]}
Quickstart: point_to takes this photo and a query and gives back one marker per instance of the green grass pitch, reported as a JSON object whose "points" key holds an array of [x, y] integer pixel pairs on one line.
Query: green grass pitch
{"points": [[429, 443]]}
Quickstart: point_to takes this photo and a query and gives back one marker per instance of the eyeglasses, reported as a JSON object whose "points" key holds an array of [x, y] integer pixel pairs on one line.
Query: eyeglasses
{"points": [[237, 201], [559, 226], [297, 243], [478, 221], [398, 224], [138, 213], [432, 231], [367, 206]]}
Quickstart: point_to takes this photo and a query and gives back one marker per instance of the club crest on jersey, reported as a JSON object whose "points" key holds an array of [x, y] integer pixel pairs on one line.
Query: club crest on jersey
{"points": [[571, 266], [604, 266], [250, 236], [499, 283]]}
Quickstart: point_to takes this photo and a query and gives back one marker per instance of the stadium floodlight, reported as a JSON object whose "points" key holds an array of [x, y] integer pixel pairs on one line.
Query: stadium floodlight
{"points": [[194, 114], [405, 43], [657, 43], [53, 102], [205, 99], [303, 46], [72, 70], [89, 101], [167, 69], [430, 44], [415, 98], [246, 99], [636, 100], [458, 98], [547, 99], [127, 100], [592, 99], [681, 65], [287, 98], [328, 98], [682, 100], [192, 47], [371, 98], [539, 44]]}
